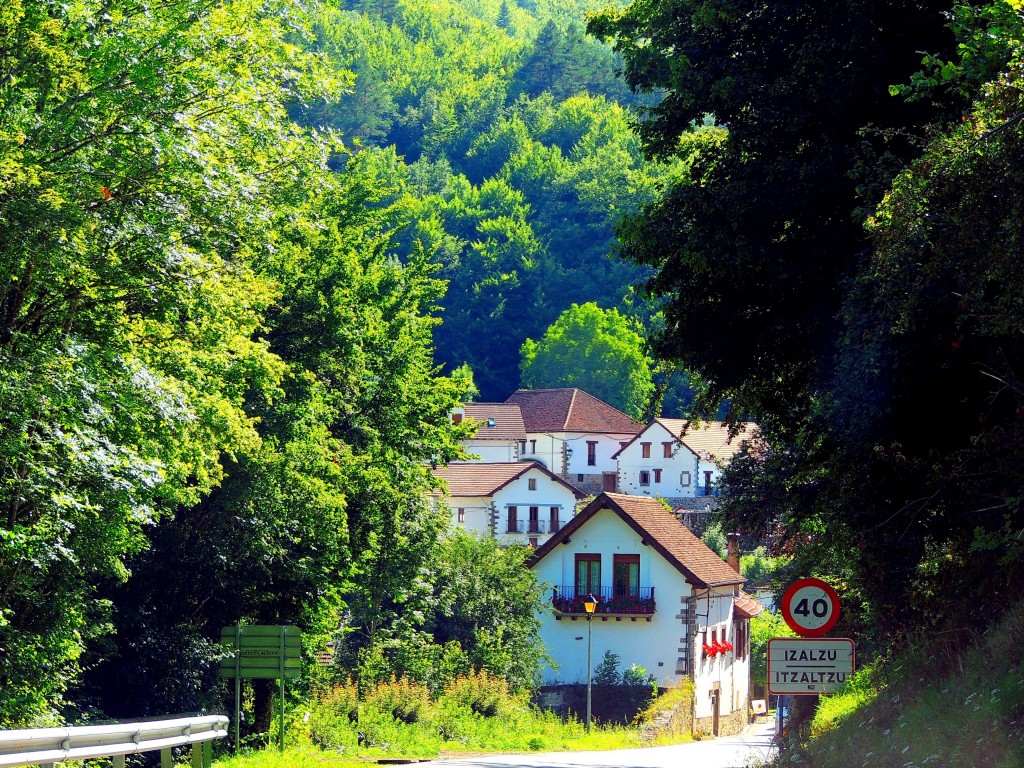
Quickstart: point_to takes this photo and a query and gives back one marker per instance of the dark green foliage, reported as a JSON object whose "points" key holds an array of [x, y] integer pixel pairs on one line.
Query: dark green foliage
{"points": [[550, 175], [880, 364], [485, 599], [767, 235]]}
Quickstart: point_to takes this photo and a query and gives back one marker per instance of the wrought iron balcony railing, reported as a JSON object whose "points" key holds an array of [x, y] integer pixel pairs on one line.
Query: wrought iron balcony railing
{"points": [[639, 601]]}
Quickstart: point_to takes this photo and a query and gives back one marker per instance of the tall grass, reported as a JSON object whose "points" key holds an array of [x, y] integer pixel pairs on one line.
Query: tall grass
{"points": [[955, 700], [475, 712]]}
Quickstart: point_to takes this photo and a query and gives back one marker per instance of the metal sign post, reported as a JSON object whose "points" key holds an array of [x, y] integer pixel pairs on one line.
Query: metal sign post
{"points": [[810, 664], [261, 652]]}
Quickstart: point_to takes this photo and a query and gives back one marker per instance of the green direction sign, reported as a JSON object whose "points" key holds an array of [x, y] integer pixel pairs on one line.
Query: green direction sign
{"points": [[261, 652]]}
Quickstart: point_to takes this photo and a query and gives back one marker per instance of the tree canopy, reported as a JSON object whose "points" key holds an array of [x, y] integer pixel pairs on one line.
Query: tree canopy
{"points": [[599, 351], [840, 267]]}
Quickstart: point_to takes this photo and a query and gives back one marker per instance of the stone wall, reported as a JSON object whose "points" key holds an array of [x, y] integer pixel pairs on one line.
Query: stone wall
{"points": [[674, 722], [728, 725], [616, 704]]}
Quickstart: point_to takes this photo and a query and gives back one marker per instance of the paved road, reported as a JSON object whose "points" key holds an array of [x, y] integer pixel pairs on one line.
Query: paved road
{"points": [[750, 749]]}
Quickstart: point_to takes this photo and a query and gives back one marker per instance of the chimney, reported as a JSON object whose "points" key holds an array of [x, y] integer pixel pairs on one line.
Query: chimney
{"points": [[732, 551]]}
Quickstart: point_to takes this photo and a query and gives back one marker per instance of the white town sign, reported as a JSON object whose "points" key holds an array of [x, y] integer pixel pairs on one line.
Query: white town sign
{"points": [[809, 665]]}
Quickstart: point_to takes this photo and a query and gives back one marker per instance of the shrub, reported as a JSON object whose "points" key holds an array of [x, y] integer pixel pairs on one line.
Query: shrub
{"points": [[402, 698], [333, 714], [607, 671], [480, 692]]}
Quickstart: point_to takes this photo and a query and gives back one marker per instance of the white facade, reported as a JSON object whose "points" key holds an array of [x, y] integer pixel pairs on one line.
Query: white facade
{"points": [[492, 451], [668, 470], [651, 641], [578, 456], [532, 507], [667, 642], [473, 513], [658, 463], [518, 502]]}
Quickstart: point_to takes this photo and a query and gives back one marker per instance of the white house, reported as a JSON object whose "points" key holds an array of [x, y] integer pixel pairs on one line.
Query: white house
{"points": [[518, 502], [676, 460], [499, 433], [574, 434], [666, 602]]}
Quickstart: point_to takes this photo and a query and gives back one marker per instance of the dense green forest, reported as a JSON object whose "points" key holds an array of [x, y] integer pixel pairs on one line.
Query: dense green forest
{"points": [[254, 252], [248, 252], [845, 267]]}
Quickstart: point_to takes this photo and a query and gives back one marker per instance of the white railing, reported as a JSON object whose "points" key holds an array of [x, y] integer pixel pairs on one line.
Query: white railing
{"points": [[46, 746]]}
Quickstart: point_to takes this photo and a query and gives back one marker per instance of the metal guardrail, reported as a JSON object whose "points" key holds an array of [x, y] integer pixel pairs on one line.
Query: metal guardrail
{"points": [[46, 746]]}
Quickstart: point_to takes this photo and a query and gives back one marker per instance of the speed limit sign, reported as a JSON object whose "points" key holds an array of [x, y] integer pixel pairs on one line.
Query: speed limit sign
{"points": [[810, 607]]}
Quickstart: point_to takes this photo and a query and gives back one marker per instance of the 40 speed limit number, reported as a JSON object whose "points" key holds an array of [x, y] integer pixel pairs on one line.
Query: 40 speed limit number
{"points": [[810, 607]]}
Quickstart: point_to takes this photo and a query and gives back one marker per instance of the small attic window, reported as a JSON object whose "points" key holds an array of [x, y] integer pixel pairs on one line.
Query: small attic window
{"points": [[456, 418], [491, 422]]}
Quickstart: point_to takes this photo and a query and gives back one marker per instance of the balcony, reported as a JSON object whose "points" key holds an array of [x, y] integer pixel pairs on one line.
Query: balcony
{"points": [[565, 600], [532, 526]]}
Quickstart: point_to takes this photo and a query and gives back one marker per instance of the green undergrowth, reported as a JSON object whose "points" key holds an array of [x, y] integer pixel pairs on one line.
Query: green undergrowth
{"points": [[473, 713], [955, 700], [476, 713]]}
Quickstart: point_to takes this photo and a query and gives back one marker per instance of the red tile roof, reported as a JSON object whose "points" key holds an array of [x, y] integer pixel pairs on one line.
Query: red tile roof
{"points": [[570, 410], [661, 530], [486, 479], [747, 606], [508, 421]]}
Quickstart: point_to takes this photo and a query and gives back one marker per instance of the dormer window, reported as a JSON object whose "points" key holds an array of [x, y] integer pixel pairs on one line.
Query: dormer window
{"points": [[492, 423]]}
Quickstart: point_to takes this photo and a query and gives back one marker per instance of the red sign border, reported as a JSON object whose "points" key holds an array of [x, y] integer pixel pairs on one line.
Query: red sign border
{"points": [[787, 604]]}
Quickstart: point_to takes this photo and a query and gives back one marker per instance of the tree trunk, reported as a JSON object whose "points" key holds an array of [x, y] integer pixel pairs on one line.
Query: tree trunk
{"points": [[263, 704]]}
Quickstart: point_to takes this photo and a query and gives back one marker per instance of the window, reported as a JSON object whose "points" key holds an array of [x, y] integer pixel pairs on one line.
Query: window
{"points": [[554, 519], [531, 483], [707, 483], [591, 452], [534, 519], [684, 479], [522, 446], [462, 514], [645, 450], [626, 575], [588, 575], [533, 446], [579, 477], [456, 418], [657, 475], [645, 477], [666, 450], [513, 520]]}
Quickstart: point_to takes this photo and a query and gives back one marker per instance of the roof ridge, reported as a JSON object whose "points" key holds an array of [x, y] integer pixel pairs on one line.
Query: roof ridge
{"points": [[572, 404]]}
